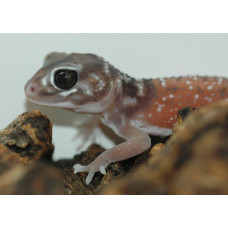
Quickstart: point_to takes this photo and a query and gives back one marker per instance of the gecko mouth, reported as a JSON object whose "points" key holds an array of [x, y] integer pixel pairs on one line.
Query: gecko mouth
{"points": [[33, 95], [51, 102]]}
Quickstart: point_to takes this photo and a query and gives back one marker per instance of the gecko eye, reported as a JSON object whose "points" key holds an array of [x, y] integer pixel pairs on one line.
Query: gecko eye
{"points": [[65, 79]]}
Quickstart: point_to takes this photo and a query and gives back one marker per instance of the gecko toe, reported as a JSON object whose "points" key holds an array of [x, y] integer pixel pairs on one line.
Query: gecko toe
{"points": [[89, 177], [80, 168], [102, 170]]}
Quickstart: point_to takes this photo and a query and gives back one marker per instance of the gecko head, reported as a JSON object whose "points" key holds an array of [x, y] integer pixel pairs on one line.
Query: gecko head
{"points": [[79, 82]]}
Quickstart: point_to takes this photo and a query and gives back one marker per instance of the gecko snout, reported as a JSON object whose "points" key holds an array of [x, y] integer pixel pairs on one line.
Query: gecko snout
{"points": [[31, 89]]}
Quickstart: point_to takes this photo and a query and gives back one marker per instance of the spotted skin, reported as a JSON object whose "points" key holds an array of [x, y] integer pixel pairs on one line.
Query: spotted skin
{"points": [[133, 109], [173, 94]]}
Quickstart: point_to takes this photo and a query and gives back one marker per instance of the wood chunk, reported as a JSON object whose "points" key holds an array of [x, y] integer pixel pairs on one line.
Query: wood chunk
{"points": [[181, 116], [23, 178], [30, 136], [155, 150], [22, 143]]}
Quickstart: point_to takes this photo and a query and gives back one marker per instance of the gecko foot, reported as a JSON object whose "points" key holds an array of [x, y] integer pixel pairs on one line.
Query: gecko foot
{"points": [[91, 169]]}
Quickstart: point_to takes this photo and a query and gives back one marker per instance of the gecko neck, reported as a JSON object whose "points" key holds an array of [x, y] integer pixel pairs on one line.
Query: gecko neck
{"points": [[124, 85]]}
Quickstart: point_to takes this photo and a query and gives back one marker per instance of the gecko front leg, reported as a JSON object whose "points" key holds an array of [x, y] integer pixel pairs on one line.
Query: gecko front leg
{"points": [[137, 141]]}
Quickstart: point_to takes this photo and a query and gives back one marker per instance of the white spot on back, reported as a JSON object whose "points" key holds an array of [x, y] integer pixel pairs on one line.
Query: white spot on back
{"points": [[160, 106], [163, 82], [209, 99], [106, 68], [210, 87], [220, 80], [141, 89]]}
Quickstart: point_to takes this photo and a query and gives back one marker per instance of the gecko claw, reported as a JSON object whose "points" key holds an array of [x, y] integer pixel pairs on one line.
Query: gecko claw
{"points": [[102, 170], [80, 168], [89, 177]]}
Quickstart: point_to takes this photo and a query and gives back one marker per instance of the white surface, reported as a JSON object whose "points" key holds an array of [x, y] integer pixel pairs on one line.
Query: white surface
{"points": [[139, 55]]}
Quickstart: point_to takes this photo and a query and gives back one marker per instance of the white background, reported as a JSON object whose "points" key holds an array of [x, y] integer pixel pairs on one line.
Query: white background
{"points": [[207, 55], [139, 55]]}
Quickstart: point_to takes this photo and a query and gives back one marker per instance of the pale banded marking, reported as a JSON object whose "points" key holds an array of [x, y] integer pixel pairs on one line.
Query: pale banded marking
{"points": [[68, 92], [129, 101], [106, 68], [44, 81], [150, 129], [140, 89]]}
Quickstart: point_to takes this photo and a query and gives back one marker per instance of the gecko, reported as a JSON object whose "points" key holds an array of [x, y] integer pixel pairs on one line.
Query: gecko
{"points": [[133, 109]]}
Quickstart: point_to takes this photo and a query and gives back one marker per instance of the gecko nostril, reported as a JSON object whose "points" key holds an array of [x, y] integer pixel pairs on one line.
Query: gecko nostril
{"points": [[32, 89]]}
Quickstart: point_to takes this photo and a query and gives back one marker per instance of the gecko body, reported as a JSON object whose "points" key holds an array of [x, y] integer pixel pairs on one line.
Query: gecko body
{"points": [[133, 109]]}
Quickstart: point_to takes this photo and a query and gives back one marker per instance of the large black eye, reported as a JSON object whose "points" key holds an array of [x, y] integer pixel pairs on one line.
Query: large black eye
{"points": [[65, 79]]}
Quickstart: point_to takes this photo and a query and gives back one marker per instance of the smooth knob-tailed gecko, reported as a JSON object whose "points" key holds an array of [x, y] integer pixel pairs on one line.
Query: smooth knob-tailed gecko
{"points": [[133, 109]]}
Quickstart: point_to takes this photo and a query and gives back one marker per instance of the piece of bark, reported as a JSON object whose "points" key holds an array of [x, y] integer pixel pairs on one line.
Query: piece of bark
{"points": [[181, 116], [193, 161], [30, 136], [22, 144], [27, 178], [155, 150]]}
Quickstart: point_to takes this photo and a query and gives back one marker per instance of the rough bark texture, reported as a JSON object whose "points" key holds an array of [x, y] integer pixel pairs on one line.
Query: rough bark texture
{"points": [[30, 136], [194, 160], [25, 157]]}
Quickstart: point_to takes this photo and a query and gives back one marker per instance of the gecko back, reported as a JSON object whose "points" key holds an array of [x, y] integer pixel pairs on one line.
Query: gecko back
{"points": [[155, 102]]}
